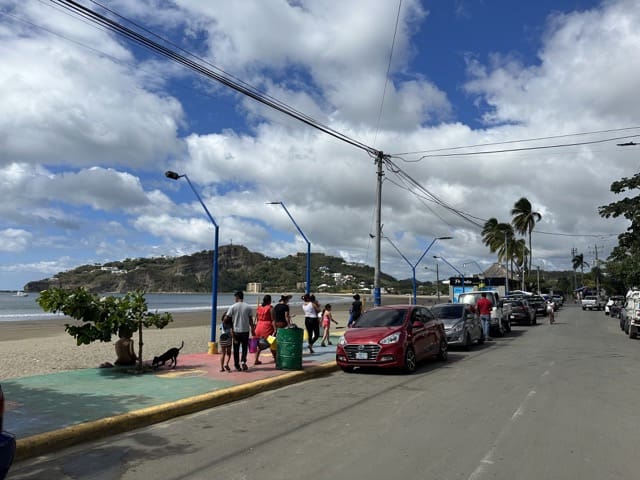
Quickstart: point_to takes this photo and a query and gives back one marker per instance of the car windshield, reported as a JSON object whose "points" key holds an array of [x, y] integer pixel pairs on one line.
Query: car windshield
{"points": [[447, 311], [381, 318]]}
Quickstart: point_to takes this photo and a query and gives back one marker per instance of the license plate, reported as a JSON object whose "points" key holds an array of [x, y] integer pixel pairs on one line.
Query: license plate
{"points": [[362, 356]]}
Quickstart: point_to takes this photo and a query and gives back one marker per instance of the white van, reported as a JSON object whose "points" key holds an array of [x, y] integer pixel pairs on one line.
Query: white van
{"points": [[632, 311], [500, 322]]}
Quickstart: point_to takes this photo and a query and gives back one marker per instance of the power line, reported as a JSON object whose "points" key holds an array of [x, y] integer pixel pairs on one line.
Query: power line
{"points": [[507, 142], [386, 82], [522, 149], [222, 78]]}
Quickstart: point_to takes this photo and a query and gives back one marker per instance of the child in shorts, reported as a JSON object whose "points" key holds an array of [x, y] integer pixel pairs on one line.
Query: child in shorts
{"points": [[226, 339], [327, 318]]}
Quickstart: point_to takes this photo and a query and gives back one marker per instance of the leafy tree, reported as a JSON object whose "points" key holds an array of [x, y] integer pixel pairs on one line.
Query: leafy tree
{"points": [[102, 317], [623, 260], [524, 220]]}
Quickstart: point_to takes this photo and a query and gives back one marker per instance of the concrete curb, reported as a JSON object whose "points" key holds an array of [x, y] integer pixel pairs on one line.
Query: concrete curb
{"points": [[49, 442]]}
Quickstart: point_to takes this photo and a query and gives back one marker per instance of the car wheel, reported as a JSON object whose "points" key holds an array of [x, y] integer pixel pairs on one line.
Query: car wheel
{"points": [[443, 351], [347, 369], [632, 332], [410, 361]]}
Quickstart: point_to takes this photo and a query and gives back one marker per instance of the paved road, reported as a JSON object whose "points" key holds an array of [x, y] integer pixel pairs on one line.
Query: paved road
{"points": [[545, 402]]}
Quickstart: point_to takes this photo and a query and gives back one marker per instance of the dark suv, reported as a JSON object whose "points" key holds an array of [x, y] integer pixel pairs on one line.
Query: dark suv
{"points": [[7, 443], [521, 311]]}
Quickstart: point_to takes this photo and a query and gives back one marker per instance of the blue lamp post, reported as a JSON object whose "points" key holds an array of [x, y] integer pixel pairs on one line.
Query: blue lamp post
{"points": [[213, 347], [307, 289], [458, 271], [413, 267]]}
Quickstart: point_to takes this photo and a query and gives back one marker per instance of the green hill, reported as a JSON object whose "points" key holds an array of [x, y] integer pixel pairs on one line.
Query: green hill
{"points": [[237, 266]]}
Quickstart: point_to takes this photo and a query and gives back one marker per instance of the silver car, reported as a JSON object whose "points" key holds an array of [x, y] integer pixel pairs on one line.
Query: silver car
{"points": [[461, 326]]}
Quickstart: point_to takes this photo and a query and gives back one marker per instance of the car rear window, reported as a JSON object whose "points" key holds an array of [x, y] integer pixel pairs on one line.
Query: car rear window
{"points": [[381, 318], [447, 311]]}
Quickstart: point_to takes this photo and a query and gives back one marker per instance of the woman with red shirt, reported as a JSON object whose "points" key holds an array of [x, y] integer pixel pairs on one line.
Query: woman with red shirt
{"points": [[266, 324]]}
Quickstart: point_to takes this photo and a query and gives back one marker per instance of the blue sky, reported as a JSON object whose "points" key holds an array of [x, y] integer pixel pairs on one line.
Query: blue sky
{"points": [[89, 123]]}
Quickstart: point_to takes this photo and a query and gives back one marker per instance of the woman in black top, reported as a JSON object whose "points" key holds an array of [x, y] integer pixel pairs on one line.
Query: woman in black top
{"points": [[281, 312]]}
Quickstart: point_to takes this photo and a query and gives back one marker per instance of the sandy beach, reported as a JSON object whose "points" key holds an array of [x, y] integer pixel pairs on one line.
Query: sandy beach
{"points": [[42, 346]]}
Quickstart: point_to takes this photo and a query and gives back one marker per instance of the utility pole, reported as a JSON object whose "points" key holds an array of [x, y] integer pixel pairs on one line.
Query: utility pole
{"points": [[596, 265], [524, 251], [574, 252], [506, 264], [438, 282], [376, 275]]}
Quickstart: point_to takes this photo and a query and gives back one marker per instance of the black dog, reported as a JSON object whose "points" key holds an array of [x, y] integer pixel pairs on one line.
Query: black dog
{"points": [[170, 355]]}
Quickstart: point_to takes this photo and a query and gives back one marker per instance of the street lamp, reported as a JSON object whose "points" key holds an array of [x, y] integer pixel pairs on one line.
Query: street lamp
{"points": [[413, 267], [213, 347], [308, 282], [458, 271], [437, 281]]}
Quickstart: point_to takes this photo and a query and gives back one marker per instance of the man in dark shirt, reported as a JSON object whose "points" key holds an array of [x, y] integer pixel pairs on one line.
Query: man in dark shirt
{"points": [[356, 310]]}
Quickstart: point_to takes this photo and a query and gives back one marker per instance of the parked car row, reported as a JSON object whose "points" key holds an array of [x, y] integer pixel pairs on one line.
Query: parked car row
{"points": [[629, 314], [400, 336]]}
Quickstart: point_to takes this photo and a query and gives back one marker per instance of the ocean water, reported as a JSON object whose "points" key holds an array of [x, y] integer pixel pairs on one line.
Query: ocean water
{"points": [[15, 309]]}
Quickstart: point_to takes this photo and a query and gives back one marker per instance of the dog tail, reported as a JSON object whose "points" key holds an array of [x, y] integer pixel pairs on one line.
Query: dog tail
{"points": [[181, 345]]}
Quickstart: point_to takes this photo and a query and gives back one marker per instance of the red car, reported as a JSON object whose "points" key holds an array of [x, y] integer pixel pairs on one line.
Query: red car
{"points": [[395, 336]]}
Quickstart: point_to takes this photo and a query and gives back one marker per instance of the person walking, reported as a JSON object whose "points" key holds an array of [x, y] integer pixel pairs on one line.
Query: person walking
{"points": [[242, 318], [311, 322], [355, 311], [550, 310], [282, 313], [327, 318], [265, 324], [484, 307], [225, 342]]}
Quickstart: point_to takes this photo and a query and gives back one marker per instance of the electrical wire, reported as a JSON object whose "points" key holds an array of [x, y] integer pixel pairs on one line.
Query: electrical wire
{"points": [[197, 67], [611, 130], [541, 147], [386, 82]]}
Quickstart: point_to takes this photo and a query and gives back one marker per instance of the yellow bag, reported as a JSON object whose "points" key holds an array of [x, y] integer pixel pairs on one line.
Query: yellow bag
{"points": [[272, 342]]}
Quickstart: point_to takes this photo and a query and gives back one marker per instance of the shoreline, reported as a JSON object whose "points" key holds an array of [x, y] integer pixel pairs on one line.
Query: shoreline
{"points": [[36, 347]]}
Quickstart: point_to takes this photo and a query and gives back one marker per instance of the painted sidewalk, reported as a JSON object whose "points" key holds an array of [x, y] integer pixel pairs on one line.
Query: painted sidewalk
{"points": [[48, 412]]}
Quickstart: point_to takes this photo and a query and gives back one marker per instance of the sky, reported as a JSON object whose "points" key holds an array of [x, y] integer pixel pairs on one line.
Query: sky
{"points": [[89, 123]]}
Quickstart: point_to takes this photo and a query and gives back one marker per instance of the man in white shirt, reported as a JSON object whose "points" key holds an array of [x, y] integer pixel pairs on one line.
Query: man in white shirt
{"points": [[242, 316]]}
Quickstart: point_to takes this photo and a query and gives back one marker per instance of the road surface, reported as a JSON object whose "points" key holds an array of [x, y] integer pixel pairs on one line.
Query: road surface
{"points": [[544, 402]]}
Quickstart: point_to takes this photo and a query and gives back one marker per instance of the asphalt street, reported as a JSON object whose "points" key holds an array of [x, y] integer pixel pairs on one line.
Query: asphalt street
{"points": [[544, 402]]}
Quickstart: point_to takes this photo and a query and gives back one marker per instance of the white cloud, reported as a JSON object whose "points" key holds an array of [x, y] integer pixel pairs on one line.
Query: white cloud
{"points": [[83, 133], [14, 240]]}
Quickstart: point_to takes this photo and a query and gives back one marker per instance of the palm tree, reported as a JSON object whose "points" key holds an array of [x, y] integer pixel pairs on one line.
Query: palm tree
{"points": [[497, 236], [524, 220], [579, 262]]}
